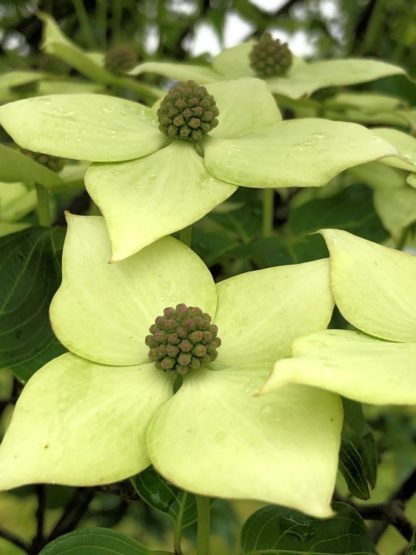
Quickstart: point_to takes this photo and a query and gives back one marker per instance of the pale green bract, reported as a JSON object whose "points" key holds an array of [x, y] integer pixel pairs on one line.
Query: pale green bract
{"points": [[394, 199], [16, 201], [102, 412], [148, 186], [90, 64], [302, 79], [375, 289]]}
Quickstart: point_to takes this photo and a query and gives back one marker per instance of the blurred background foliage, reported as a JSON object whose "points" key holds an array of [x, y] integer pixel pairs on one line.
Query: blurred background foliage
{"points": [[229, 239]]}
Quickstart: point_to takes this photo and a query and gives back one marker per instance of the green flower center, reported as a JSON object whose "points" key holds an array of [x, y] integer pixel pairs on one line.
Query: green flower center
{"points": [[52, 162], [120, 59], [270, 57], [188, 112], [183, 339]]}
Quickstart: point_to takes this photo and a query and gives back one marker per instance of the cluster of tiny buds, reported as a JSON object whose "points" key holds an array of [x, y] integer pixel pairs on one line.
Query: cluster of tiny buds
{"points": [[183, 339], [120, 58], [187, 112], [52, 162], [270, 57]]}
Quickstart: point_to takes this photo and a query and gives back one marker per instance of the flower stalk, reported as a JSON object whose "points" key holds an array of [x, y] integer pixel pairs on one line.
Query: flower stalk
{"points": [[204, 525], [268, 212], [44, 209]]}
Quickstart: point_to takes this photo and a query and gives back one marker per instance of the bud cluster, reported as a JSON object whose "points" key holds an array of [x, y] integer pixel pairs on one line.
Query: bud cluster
{"points": [[120, 59], [270, 57], [187, 112], [183, 339], [52, 162]]}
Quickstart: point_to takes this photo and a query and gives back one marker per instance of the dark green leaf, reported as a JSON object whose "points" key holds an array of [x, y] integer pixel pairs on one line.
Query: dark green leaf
{"points": [[94, 541], [351, 210], [367, 448], [276, 530], [352, 467], [29, 276], [164, 497]]}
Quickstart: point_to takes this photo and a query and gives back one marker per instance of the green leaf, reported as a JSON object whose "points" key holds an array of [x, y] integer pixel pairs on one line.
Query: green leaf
{"points": [[29, 276], [276, 531], [165, 497], [352, 468], [368, 451], [351, 210], [94, 541]]}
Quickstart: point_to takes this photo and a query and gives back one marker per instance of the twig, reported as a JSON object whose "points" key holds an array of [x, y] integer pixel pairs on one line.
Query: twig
{"points": [[10, 537], [39, 539], [390, 512], [73, 513], [404, 493]]}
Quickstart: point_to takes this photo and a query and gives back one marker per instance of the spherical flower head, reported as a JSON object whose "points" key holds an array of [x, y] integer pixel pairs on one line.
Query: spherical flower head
{"points": [[52, 162], [188, 112], [121, 58], [270, 57], [183, 339]]}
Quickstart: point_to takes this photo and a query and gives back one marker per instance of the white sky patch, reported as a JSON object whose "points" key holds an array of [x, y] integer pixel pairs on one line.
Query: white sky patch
{"points": [[151, 40], [204, 41], [299, 42], [269, 6], [236, 30]]}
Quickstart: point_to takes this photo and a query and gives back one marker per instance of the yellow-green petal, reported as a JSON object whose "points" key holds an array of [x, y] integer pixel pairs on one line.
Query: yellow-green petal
{"points": [[396, 208], [304, 79], [350, 364], [68, 86], [374, 286], [215, 438], [260, 313], [103, 311], [16, 201], [405, 145], [234, 62], [7, 228], [245, 106], [286, 154], [81, 424], [178, 71], [149, 198], [90, 127]]}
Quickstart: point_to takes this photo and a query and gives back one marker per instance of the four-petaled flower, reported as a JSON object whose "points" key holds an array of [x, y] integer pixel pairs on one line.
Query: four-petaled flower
{"points": [[103, 412], [149, 185], [301, 80], [375, 289]]}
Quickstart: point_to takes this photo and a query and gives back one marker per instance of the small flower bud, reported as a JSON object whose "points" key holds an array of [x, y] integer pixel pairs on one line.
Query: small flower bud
{"points": [[270, 57], [183, 339], [121, 58], [52, 162], [187, 112]]}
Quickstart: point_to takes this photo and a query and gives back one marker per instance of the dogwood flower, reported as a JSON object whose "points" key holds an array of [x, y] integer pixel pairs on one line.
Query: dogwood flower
{"points": [[108, 409], [375, 289], [301, 78], [150, 182]]}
